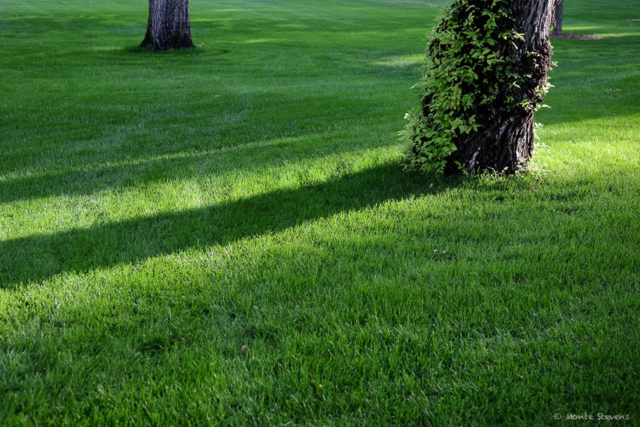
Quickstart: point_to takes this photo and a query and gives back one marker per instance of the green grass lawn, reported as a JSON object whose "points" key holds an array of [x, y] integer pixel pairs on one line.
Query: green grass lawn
{"points": [[227, 235]]}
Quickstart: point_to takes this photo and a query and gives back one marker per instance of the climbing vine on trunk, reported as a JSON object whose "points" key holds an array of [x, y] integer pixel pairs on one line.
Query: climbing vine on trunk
{"points": [[485, 76]]}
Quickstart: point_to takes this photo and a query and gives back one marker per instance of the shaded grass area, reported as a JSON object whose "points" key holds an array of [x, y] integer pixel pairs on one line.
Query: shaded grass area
{"points": [[226, 234], [76, 250]]}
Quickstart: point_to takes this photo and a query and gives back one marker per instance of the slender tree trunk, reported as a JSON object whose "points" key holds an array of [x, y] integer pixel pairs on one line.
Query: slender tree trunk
{"points": [[557, 19], [505, 138], [169, 26]]}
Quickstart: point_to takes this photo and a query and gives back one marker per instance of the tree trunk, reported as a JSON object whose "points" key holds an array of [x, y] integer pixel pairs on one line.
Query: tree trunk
{"points": [[557, 19], [504, 140], [169, 26]]}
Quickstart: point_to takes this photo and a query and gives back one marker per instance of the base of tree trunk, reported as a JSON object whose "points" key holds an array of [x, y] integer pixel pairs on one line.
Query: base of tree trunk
{"points": [[504, 146], [556, 20], [169, 26]]}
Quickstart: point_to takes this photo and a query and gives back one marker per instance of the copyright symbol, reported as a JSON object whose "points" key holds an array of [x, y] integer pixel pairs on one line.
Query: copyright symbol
{"points": [[557, 416]]}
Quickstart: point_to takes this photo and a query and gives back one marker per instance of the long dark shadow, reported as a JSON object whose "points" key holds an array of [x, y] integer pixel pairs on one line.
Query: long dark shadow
{"points": [[36, 258]]}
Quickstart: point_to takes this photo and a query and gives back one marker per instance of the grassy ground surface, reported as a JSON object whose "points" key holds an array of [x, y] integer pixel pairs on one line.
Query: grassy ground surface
{"points": [[226, 234]]}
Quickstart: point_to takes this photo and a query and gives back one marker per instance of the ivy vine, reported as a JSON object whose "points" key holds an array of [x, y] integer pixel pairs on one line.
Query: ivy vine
{"points": [[470, 70]]}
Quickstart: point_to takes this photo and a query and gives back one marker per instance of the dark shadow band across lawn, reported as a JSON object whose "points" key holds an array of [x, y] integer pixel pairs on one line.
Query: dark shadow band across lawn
{"points": [[37, 258]]}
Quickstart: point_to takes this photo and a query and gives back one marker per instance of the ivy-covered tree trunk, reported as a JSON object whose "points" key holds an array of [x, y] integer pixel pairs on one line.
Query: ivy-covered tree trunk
{"points": [[486, 75], [169, 26]]}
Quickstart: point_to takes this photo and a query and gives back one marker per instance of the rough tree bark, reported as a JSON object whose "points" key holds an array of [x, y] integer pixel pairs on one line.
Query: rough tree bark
{"points": [[505, 138], [557, 18], [169, 26]]}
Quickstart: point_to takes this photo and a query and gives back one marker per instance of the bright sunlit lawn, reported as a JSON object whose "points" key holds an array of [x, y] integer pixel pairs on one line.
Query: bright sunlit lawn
{"points": [[227, 234]]}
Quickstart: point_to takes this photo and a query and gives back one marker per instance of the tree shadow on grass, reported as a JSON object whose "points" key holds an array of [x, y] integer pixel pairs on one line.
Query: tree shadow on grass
{"points": [[37, 258]]}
